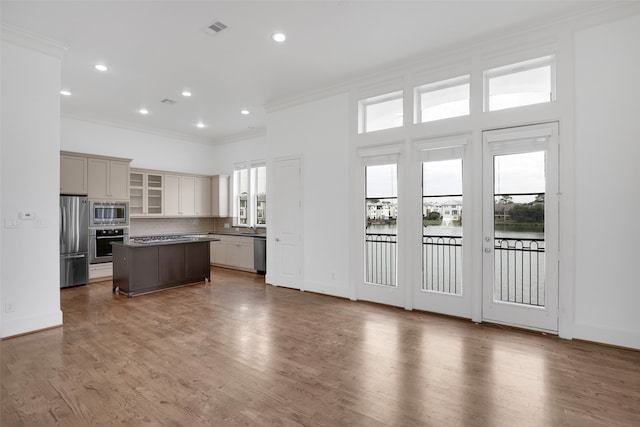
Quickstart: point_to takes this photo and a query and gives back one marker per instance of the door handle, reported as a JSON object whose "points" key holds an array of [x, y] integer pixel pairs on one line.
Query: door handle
{"points": [[277, 239], [487, 250]]}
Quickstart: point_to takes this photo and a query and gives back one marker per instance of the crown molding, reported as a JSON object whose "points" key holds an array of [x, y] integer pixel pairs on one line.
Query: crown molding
{"points": [[253, 133], [138, 128], [32, 41]]}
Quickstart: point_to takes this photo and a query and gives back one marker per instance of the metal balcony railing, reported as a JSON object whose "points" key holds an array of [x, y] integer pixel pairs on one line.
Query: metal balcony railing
{"points": [[519, 271], [442, 264], [519, 268], [380, 251]]}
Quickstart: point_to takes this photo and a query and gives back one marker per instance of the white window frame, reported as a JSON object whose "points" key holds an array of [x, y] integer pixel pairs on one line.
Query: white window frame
{"points": [[518, 67], [253, 184], [251, 168], [237, 168], [364, 104], [418, 91]]}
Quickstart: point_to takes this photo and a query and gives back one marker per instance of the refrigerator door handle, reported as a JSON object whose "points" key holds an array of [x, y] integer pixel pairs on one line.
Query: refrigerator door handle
{"points": [[62, 222], [74, 256]]}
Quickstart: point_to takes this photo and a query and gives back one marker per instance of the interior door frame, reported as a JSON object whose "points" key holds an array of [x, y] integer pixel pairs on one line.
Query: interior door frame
{"points": [[529, 317]]}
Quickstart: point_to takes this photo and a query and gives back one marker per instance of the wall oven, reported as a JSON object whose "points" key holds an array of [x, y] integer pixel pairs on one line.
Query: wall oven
{"points": [[109, 214], [100, 240]]}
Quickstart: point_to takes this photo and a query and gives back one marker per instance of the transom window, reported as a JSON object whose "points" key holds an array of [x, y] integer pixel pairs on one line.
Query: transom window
{"points": [[442, 100], [381, 112], [523, 83]]}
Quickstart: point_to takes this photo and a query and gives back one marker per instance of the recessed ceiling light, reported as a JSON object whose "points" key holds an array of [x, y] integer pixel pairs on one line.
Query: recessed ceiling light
{"points": [[143, 111], [65, 93], [278, 37], [186, 93], [100, 67], [200, 125], [245, 112]]}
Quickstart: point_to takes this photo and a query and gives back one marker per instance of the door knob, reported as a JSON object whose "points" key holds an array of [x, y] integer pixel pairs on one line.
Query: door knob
{"points": [[487, 250], [277, 239]]}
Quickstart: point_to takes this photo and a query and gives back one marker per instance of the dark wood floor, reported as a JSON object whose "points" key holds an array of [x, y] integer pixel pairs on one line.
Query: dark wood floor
{"points": [[236, 352]]}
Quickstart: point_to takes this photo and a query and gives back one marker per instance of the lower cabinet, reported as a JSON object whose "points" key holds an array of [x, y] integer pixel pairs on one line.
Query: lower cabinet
{"points": [[100, 272], [141, 269], [233, 252]]}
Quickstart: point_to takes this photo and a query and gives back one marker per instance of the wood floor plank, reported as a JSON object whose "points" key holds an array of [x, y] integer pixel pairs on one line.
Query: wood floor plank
{"points": [[235, 352]]}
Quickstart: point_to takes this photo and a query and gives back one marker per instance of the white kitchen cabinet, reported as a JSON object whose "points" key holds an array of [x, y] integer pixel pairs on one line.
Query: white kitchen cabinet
{"points": [[240, 252], [233, 252], [180, 195], [100, 272], [73, 174], [108, 179], [220, 195], [145, 193], [203, 196], [217, 253]]}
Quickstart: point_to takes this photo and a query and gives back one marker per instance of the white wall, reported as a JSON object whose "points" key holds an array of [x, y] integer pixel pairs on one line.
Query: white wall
{"points": [[607, 60], [148, 151], [318, 132], [247, 150], [30, 272]]}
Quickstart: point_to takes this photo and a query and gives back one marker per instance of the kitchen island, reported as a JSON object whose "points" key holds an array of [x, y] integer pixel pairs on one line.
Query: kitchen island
{"points": [[141, 266]]}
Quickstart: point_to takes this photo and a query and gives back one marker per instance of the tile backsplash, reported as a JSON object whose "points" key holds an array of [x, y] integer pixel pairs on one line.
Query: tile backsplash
{"points": [[159, 226]]}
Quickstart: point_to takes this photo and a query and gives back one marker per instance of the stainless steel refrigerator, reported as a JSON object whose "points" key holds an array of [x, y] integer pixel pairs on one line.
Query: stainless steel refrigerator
{"points": [[74, 241]]}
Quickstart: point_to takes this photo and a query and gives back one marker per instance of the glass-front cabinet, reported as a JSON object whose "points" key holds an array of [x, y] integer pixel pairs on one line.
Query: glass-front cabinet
{"points": [[146, 193], [154, 194]]}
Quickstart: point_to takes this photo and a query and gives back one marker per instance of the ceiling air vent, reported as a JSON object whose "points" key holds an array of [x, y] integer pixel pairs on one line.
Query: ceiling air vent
{"points": [[168, 101], [215, 28]]}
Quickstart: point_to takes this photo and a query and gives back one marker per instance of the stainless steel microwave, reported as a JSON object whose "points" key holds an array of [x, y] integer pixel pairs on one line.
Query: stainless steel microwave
{"points": [[109, 213]]}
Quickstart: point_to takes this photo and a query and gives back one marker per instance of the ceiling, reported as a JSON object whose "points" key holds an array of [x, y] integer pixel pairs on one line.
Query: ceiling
{"points": [[156, 49]]}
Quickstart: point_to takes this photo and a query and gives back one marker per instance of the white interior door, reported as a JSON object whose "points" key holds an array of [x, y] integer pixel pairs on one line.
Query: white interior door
{"points": [[288, 223], [520, 226]]}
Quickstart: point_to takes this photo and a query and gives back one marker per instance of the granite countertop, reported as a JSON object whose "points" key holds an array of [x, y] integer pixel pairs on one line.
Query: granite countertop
{"points": [[141, 242], [240, 233], [164, 239]]}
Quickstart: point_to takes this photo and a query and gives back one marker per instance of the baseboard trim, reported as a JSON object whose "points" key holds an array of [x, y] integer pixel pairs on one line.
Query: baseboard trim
{"points": [[615, 337], [26, 325], [321, 288]]}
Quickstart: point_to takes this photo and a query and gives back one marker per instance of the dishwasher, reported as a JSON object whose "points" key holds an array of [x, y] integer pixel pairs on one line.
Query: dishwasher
{"points": [[260, 255]]}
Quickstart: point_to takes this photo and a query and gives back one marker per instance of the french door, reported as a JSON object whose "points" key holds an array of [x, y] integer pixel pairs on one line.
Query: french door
{"points": [[380, 256], [520, 226], [442, 260]]}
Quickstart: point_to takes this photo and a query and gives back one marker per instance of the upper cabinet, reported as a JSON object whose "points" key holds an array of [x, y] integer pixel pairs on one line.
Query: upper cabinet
{"points": [[150, 193], [179, 196], [99, 178], [203, 196], [108, 179], [73, 174], [146, 193], [187, 195], [220, 196]]}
